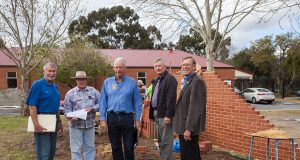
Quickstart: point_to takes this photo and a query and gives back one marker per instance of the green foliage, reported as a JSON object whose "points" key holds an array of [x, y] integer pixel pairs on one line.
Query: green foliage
{"points": [[277, 58], [243, 60], [81, 58], [194, 43], [115, 27]]}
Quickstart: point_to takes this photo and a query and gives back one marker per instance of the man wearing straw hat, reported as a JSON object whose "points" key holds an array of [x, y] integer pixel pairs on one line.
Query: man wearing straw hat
{"points": [[82, 131]]}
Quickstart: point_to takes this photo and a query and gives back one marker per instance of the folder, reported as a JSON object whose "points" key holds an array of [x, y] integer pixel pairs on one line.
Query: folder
{"points": [[45, 120]]}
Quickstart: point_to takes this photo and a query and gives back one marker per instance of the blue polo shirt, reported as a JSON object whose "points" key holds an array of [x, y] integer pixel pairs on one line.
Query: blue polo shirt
{"points": [[44, 96], [120, 97]]}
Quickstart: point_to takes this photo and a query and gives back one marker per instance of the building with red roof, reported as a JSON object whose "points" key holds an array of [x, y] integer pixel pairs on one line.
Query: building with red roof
{"points": [[139, 65], [140, 62]]}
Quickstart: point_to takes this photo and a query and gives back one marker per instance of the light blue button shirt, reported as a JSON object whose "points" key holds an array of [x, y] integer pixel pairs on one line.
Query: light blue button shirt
{"points": [[120, 97]]}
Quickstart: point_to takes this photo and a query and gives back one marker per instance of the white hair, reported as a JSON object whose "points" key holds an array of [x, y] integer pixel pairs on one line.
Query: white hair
{"points": [[49, 64], [120, 59], [159, 59]]}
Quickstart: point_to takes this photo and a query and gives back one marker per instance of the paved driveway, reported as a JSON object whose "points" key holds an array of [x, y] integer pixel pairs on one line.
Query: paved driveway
{"points": [[9, 110], [277, 105]]}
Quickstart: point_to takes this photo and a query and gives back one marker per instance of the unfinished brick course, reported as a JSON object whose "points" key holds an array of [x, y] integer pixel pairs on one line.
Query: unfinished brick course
{"points": [[229, 118]]}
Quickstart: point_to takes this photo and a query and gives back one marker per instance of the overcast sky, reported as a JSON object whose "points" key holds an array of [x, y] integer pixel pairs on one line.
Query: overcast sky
{"points": [[242, 36]]}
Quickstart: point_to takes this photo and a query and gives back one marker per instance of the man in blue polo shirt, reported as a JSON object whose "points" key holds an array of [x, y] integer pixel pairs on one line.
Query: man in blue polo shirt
{"points": [[44, 98], [118, 100]]}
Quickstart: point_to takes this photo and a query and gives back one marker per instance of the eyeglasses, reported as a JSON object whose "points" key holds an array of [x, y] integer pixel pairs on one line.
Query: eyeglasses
{"points": [[186, 65]]}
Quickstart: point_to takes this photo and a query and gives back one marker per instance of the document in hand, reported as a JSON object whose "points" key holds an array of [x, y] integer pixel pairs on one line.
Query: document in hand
{"points": [[46, 121], [82, 114]]}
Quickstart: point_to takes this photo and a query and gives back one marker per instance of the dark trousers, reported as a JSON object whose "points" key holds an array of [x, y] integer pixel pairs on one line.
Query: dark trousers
{"points": [[121, 128], [189, 150]]}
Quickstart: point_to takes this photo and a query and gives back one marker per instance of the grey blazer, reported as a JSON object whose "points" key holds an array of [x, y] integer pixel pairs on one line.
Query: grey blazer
{"points": [[190, 110]]}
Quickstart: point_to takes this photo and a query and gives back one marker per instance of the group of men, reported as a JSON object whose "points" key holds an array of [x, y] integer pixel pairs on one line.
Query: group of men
{"points": [[120, 105]]}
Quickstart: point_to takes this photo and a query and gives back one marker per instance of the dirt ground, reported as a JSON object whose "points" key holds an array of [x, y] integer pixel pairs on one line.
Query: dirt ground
{"points": [[103, 150], [287, 120]]}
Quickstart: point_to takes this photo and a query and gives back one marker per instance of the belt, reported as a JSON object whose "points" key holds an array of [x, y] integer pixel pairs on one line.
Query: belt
{"points": [[118, 113], [47, 113]]}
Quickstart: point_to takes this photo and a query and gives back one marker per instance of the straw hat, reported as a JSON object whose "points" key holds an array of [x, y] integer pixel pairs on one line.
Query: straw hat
{"points": [[80, 75]]}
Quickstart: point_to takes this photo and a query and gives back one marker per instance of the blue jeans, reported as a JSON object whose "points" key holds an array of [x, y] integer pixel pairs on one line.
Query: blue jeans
{"points": [[121, 127], [165, 136], [45, 145], [82, 137]]}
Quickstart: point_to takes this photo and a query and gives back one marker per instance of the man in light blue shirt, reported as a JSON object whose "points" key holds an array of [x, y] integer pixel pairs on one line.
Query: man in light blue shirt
{"points": [[119, 99]]}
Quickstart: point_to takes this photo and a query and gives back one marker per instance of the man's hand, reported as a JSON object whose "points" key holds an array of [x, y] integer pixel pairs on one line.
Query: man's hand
{"points": [[167, 120], [73, 119], [38, 128], [137, 124], [103, 124], [89, 109], [187, 135], [60, 130]]}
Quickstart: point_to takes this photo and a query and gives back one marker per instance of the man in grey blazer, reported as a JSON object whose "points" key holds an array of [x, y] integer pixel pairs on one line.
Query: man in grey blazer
{"points": [[190, 111]]}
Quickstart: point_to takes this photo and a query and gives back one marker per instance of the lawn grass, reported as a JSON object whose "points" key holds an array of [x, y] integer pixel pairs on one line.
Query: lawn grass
{"points": [[16, 143]]}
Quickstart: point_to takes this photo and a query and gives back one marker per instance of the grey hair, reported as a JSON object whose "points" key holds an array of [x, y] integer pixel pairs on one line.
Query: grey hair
{"points": [[159, 59], [49, 64], [120, 59]]}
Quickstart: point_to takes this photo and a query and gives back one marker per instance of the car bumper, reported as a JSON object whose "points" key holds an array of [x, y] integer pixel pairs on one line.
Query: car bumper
{"points": [[266, 98]]}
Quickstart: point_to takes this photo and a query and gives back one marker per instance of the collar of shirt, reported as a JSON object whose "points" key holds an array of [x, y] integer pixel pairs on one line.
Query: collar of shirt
{"points": [[163, 75], [82, 90], [122, 79], [186, 78], [46, 82]]}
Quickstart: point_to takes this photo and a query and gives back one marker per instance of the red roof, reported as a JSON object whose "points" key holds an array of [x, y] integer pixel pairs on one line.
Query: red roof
{"points": [[140, 57], [5, 61], [144, 58]]}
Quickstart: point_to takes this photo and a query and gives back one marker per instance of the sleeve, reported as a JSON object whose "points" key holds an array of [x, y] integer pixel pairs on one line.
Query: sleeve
{"points": [[68, 107], [97, 96], [33, 96], [137, 102], [171, 96], [103, 102], [197, 97]]}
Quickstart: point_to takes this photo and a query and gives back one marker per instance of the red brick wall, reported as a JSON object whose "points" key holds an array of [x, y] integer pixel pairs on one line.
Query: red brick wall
{"points": [[228, 119], [3, 74]]}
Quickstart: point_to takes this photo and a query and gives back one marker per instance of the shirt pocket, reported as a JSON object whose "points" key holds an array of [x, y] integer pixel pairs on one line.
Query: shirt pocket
{"points": [[91, 99]]}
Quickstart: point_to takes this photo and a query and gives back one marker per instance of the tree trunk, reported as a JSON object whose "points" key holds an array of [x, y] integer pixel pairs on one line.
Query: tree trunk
{"points": [[209, 58], [24, 93]]}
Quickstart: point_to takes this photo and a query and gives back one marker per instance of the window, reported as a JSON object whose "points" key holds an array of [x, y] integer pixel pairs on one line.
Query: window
{"points": [[11, 79], [142, 76]]}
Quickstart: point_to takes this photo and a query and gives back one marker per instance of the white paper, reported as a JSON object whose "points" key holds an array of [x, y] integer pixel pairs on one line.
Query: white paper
{"points": [[82, 114], [46, 121]]}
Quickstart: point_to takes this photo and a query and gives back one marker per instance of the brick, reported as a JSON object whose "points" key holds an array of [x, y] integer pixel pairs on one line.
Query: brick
{"points": [[141, 149], [229, 117]]}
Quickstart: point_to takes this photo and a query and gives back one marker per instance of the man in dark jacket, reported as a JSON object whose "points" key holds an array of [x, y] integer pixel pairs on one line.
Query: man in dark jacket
{"points": [[190, 113], [162, 108]]}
